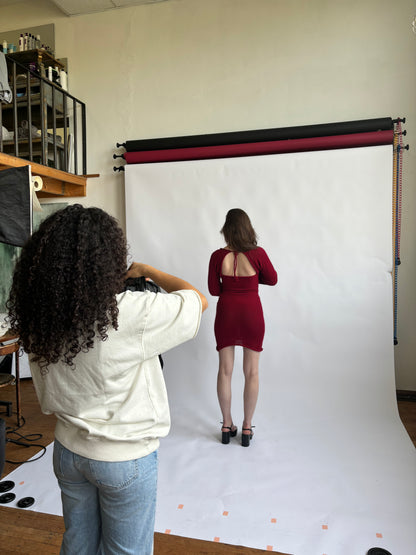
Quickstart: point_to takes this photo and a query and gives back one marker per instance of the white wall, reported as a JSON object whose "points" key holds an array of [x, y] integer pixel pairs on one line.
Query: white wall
{"points": [[193, 66]]}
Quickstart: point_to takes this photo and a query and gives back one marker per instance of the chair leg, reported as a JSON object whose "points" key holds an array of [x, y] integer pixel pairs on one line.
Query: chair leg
{"points": [[8, 405]]}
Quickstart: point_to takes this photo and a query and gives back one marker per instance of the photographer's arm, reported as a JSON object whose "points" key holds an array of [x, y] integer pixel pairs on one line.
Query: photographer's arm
{"points": [[165, 281]]}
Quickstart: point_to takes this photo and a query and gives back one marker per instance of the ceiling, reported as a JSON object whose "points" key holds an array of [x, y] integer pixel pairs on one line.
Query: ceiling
{"points": [[8, 2], [78, 7]]}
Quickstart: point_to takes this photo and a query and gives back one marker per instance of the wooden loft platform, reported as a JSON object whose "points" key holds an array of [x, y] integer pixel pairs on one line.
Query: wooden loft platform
{"points": [[56, 183]]}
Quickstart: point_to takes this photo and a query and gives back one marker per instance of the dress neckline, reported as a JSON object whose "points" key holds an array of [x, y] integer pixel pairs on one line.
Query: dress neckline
{"points": [[242, 252]]}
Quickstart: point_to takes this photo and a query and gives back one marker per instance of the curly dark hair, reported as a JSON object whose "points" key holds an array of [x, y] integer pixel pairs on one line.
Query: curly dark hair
{"points": [[238, 231], [65, 283]]}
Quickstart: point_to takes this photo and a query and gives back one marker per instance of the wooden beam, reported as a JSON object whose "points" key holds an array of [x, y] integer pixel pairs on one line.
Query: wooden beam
{"points": [[56, 183]]}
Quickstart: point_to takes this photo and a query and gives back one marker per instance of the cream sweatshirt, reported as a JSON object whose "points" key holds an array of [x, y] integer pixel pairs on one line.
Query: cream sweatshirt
{"points": [[113, 406]]}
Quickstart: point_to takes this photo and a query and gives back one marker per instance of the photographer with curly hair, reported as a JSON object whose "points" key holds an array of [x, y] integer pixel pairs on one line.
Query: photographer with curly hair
{"points": [[93, 351]]}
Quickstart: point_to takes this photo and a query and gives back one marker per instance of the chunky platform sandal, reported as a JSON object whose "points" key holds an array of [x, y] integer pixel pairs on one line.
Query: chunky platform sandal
{"points": [[246, 438], [227, 434]]}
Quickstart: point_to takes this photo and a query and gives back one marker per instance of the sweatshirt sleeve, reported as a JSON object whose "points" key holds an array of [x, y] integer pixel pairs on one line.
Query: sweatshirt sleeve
{"points": [[267, 273], [171, 320], [214, 280]]}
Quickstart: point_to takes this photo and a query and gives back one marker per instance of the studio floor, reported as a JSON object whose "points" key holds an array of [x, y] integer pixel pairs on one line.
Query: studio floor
{"points": [[27, 531]]}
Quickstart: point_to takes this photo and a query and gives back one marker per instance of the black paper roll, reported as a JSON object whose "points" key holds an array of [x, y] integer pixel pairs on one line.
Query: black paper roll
{"points": [[262, 135]]}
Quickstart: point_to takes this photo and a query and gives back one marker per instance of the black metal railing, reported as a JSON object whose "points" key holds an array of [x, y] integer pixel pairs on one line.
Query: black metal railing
{"points": [[43, 123]]}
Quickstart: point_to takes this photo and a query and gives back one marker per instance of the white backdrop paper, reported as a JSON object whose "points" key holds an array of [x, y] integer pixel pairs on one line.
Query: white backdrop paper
{"points": [[328, 445], [325, 220]]}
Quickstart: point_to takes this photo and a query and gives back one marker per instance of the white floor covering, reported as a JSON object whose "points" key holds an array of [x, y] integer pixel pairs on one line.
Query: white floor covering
{"points": [[305, 492]]}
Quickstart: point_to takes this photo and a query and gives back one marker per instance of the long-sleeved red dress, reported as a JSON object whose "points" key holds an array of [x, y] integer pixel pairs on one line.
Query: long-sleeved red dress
{"points": [[239, 319]]}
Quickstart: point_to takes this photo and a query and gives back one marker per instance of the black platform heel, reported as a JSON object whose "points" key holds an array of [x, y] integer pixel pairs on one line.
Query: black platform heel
{"points": [[229, 433], [246, 438]]}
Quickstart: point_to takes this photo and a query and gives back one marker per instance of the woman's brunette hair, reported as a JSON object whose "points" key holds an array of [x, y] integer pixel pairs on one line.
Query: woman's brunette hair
{"points": [[238, 232], [65, 284]]}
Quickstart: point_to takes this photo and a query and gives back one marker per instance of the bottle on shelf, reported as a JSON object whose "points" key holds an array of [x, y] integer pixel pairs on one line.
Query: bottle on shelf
{"points": [[63, 78], [21, 43], [5, 46]]}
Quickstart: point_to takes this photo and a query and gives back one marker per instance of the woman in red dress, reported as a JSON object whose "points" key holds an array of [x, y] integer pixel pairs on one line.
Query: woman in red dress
{"points": [[235, 272]]}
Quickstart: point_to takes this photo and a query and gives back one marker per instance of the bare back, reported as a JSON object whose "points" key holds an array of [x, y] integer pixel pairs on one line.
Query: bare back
{"points": [[237, 264]]}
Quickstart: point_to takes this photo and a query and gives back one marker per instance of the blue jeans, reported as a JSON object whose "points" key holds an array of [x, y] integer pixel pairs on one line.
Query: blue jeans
{"points": [[109, 507]]}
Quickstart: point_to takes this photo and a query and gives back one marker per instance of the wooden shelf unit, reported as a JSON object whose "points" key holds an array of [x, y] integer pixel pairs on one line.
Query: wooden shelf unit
{"points": [[41, 107], [37, 56], [51, 110]]}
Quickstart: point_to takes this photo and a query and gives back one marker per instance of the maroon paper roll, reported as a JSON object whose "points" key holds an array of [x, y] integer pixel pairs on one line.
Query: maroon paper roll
{"points": [[256, 149]]}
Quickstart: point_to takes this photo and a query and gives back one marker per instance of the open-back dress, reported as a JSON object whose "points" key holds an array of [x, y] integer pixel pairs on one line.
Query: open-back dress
{"points": [[239, 319]]}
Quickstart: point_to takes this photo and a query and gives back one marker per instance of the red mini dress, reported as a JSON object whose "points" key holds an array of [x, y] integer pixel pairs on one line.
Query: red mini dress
{"points": [[239, 318]]}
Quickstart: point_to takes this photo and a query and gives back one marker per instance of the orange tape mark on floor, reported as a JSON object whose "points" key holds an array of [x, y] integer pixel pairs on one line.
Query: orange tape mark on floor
{"points": [[216, 539], [273, 521], [167, 531], [269, 548], [324, 527], [379, 535], [180, 506], [225, 513]]}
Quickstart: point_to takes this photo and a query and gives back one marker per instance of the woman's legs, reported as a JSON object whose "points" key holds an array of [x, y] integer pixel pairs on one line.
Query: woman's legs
{"points": [[225, 372], [251, 385]]}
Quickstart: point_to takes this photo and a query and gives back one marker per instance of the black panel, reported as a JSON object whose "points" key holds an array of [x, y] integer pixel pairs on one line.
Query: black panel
{"points": [[15, 209]]}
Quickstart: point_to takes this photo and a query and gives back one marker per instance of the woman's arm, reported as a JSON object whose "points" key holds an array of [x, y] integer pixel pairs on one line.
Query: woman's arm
{"points": [[214, 282], [166, 281], [267, 273]]}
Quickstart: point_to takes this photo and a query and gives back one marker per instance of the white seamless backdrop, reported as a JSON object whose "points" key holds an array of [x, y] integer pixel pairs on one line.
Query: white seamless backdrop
{"points": [[325, 220], [329, 447]]}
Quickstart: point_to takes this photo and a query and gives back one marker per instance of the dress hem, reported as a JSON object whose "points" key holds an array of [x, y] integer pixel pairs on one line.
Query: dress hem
{"points": [[239, 345]]}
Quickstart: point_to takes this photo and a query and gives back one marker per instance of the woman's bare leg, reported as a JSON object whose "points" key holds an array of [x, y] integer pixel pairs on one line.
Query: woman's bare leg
{"points": [[225, 372], [251, 385]]}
